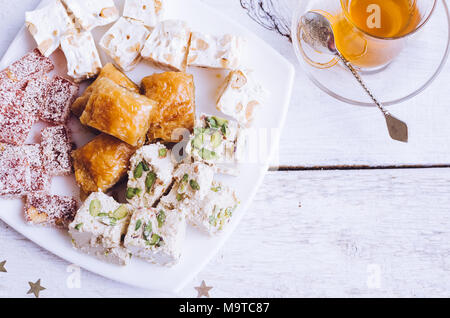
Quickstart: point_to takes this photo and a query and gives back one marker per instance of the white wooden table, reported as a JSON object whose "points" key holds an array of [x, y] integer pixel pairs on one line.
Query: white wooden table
{"points": [[374, 222]]}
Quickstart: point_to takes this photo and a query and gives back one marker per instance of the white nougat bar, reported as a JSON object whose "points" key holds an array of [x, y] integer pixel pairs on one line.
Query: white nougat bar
{"points": [[47, 25], [149, 12], [124, 41], [168, 45], [218, 52], [83, 61], [240, 96], [92, 13]]}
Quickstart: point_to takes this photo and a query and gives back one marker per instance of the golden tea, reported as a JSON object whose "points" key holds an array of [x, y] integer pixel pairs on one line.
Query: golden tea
{"points": [[382, 18], [364, 29]]}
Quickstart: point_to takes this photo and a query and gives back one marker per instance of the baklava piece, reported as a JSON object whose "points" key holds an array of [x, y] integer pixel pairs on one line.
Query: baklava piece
{"points": [[215, 141], [111, 72], [100, 164], [240, 96], [83, 61], [60, 95], [148, 12], [99, 226], [124, 42], [48, 25], [217, 52], [56, 149], [119, 112], [168, 45], [174, 93], [157, 235], [50, 210], [92, 13], [150, 175]]}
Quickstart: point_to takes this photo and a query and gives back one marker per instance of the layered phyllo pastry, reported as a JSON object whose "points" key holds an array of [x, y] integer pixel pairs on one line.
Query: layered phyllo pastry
{"points": [[174, 94], [101, 163], [108, 71], [118, 112]]}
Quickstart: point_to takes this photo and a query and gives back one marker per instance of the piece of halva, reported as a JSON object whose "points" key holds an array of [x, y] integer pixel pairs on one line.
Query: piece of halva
{"points": [[156, 235], [150, 175], [98, 228]]}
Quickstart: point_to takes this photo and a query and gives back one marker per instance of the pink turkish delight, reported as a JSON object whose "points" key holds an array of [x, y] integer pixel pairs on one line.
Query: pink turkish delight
{"points": [[16, 76], [60, 95], [40, 178], [56, 148], [35, 94], [15, 176], [51, 210], [15, 121]]}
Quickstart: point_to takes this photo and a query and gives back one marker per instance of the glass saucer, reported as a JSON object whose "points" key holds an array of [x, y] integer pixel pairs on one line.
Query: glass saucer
{"points": [[416, 67]]}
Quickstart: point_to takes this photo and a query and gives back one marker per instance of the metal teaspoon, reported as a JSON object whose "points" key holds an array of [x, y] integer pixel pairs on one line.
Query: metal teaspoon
{"points": [[318, 33]]}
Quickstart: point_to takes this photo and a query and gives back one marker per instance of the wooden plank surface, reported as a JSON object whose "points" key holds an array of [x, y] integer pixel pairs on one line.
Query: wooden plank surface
{"points": [[324, 233], [357, 232]]}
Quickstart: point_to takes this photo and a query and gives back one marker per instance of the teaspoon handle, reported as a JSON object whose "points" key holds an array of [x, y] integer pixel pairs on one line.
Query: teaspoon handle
{"points": [[360, 80]]}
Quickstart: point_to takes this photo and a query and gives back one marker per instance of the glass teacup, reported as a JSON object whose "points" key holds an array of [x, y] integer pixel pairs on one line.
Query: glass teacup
{"points": [[369, 33]]}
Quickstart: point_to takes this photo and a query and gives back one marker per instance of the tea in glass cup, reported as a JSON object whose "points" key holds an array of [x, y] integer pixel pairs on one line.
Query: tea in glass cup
{"points": [[371, 33]]}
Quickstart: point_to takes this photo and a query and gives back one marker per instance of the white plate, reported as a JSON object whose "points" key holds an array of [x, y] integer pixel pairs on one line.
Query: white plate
{"points": [[275, 74]]}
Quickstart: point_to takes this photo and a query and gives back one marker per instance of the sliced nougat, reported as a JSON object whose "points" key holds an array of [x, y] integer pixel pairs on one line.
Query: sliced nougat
{"points": [[215, 141], [124, 42], [92, 13], [157, 235], [174, 93], [240, 96], [192, 182], [83, 61], [98, 228], [50, 210], [118, 112], [218, 52], [101, 163], [150, 175], [48, 24], [148, 12], [168, 45], [108, 71], [214, 212]]}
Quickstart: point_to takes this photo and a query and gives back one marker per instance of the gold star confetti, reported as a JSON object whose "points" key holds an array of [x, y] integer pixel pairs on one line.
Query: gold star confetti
{"points": [[35, 288], [203, 290], [2, 267]]}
